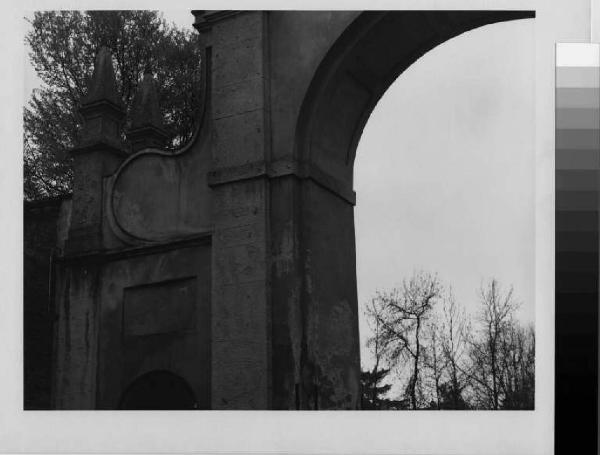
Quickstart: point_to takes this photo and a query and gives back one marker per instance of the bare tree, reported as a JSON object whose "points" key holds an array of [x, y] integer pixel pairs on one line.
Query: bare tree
{"points": [[454, 333], [402, 316], [372, 390], [442, 360], [497, 310], [517, 361], [435, 361]]}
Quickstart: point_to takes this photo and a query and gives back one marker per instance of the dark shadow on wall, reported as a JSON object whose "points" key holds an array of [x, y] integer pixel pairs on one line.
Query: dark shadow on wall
{"points": [[40, 237], [159, 390]]}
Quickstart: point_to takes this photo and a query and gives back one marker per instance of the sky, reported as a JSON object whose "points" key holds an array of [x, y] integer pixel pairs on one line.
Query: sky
{"points": [[444, 172]]}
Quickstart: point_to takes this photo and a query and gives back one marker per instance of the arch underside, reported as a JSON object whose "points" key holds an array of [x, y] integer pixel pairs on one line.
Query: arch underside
{"points": [[359, 68]]}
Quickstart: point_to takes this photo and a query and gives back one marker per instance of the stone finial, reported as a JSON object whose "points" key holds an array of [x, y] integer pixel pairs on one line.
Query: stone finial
{"points": [[103, 84], [147, 128], [101, 108], [99, 153]]}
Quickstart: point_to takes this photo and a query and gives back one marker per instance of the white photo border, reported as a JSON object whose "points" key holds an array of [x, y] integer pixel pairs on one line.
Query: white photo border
{"points": [[424, 432]]}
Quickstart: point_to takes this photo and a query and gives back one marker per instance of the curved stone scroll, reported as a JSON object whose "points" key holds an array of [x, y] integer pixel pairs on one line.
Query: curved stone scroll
{"points": [[157, 196]]}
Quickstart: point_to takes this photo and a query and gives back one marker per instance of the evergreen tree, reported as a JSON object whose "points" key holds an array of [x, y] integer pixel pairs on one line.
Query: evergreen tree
{"points": [[373, 390]]}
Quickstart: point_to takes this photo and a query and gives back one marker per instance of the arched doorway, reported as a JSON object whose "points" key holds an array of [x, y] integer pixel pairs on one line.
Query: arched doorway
{"points": [[158, 390]]}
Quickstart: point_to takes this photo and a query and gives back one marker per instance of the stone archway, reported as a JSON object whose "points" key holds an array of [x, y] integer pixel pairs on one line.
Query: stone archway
{"points": [[249, 228], [158, 390], [371, 52]]}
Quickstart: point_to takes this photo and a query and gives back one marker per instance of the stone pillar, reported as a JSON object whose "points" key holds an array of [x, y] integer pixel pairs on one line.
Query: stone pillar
{"points": [[147, 129], [241, 362], [98, 155]]}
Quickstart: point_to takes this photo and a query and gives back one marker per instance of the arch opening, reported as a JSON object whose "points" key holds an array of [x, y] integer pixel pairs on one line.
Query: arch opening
{"points": [[158, 390], [445, 173]]}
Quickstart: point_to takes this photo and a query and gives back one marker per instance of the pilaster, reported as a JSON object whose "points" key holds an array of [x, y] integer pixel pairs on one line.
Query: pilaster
{"points": [[97, 155], [241, 369]]}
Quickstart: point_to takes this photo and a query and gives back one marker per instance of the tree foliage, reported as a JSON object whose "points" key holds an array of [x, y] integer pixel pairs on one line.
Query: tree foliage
{"points": [[62, 47], [441, 359]]}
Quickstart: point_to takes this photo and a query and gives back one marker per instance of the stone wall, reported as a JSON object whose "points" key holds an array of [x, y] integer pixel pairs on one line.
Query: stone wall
{"points": [[41, 237]]}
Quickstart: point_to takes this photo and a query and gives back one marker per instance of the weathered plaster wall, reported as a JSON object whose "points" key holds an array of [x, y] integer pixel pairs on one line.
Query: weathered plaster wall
{"points": [[301, 301], [76, 340], [87, 217], [160, 196], [332, 357], [155, 314], [105, 337]]}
